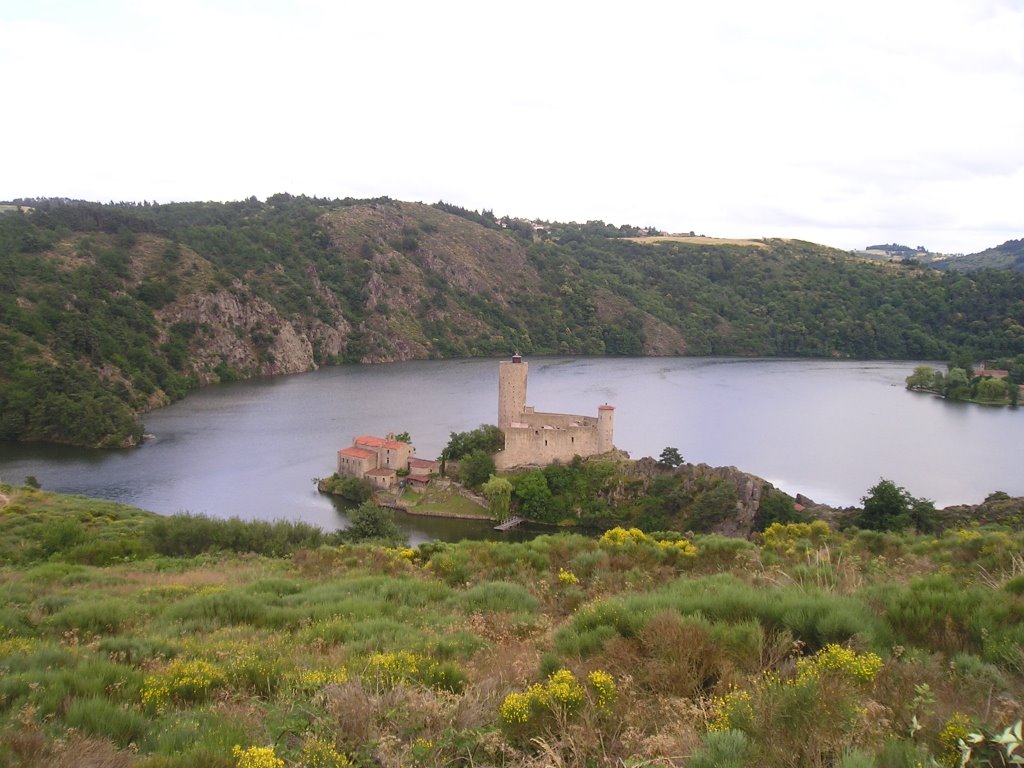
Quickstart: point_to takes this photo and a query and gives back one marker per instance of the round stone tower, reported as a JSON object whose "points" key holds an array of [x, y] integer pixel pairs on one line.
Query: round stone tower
{"points": [[511, 390], [605, 427]]}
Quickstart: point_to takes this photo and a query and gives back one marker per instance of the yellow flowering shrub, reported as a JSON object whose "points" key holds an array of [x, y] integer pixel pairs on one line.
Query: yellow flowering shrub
{"points": [[386, 670], [731, 711], [314, 679], [619, 537], [956, 729], [319, 753], [679, 547], [405, 554], [10, 646], [616, 538], [519, 708], [390, 669], [564, 692], [256, 757], [836, 660], [790, 537], [603, 685], [184, 681], [567, 578], [561, 696]]}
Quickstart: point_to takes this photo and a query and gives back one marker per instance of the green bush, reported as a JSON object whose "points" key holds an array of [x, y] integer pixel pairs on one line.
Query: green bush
{"points": [[724, 749], [815, 618], [218, 609], [98, 717], [98, 616], [135, 651], [498, 596]]}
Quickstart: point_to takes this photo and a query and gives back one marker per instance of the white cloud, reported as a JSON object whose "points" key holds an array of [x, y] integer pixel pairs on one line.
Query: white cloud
{"points": [[894, 121]]}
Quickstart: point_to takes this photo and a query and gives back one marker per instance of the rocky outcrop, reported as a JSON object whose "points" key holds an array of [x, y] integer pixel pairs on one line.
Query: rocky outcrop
{"points": [[248, 335], [723, 500]]}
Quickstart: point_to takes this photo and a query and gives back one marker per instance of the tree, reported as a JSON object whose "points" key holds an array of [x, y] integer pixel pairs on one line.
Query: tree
{"points": [[993, 390], [475, 468], [922, 378], [777, 507], [403, 437], [372, 523], [670, 457], [498, 491], [958, 384], [889, 507], [487, 438], [962, 358], [534, 494]]}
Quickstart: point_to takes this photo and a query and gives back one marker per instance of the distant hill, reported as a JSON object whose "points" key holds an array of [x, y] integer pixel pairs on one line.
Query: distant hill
{"points": [[1009, 255], [107, 311]]}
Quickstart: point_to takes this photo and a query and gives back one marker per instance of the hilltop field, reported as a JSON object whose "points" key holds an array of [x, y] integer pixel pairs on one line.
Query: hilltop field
{"points": [[131, 640]]}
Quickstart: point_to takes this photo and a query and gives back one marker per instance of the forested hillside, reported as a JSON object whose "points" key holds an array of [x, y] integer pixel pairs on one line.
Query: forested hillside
{"points": [[109, 310], [1008, 255]]}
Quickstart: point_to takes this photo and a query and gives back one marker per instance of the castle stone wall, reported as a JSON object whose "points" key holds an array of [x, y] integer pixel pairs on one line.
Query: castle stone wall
{"points": [[535, 438], [526, 446]]}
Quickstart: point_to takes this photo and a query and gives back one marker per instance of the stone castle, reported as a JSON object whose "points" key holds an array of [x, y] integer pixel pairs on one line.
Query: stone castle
{"points": [[534, 438]]}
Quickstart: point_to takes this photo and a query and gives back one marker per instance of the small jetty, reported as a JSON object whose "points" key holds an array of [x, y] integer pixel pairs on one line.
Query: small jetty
{"points": [[509, 524]]}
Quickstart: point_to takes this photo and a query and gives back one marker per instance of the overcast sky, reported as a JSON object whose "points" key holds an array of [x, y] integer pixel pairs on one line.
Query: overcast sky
{"points": [[846, 124]]}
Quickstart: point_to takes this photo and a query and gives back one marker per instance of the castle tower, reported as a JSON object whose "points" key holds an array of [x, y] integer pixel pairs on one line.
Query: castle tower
{"points": [[605, 426], [511, 390]]}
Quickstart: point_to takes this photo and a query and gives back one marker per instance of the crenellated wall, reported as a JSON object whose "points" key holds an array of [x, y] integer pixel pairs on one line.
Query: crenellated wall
{"points": [[537, 438]]}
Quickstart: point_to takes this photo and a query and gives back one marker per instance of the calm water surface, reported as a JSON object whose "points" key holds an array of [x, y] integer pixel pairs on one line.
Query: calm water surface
{"points": [[827, 429]]}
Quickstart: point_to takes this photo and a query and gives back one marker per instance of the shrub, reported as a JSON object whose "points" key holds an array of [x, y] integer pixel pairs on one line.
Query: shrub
{"points": [[256, 757], [219, 609], [805, 719], [95, 616], [99, 717], [196, 734], [495, 596], [317, 753], [186, 681], [386, 670], [722, 749], [543, 707]]}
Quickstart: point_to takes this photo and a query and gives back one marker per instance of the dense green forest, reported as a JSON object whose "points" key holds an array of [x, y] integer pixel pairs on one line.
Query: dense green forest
{"points": [[130, 640], [109, 310]]}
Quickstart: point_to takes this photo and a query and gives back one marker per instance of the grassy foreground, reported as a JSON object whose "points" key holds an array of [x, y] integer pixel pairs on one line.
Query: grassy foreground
{"points": [[807, 647]]}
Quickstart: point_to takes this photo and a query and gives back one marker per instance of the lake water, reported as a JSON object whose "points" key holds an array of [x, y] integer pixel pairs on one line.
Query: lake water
{"points": [[827, 429]]}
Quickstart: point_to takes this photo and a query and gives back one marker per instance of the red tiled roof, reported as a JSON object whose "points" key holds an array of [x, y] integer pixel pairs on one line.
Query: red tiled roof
{"points": [[418, 479], [357, 453], [606, 407], [422, 463], [379, 442], [380, 472]]}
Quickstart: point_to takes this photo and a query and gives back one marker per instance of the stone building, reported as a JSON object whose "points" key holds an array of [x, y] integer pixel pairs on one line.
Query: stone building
{"points": [[377, 459], [421, 471], [535, 438]]}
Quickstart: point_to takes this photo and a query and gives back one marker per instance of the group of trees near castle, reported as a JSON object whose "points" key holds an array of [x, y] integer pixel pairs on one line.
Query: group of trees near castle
{"points": [[88, 292], [960, 382]]}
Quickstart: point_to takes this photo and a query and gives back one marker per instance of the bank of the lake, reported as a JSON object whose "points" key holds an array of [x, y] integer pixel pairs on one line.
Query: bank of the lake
{"points": [[827, 429]]}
